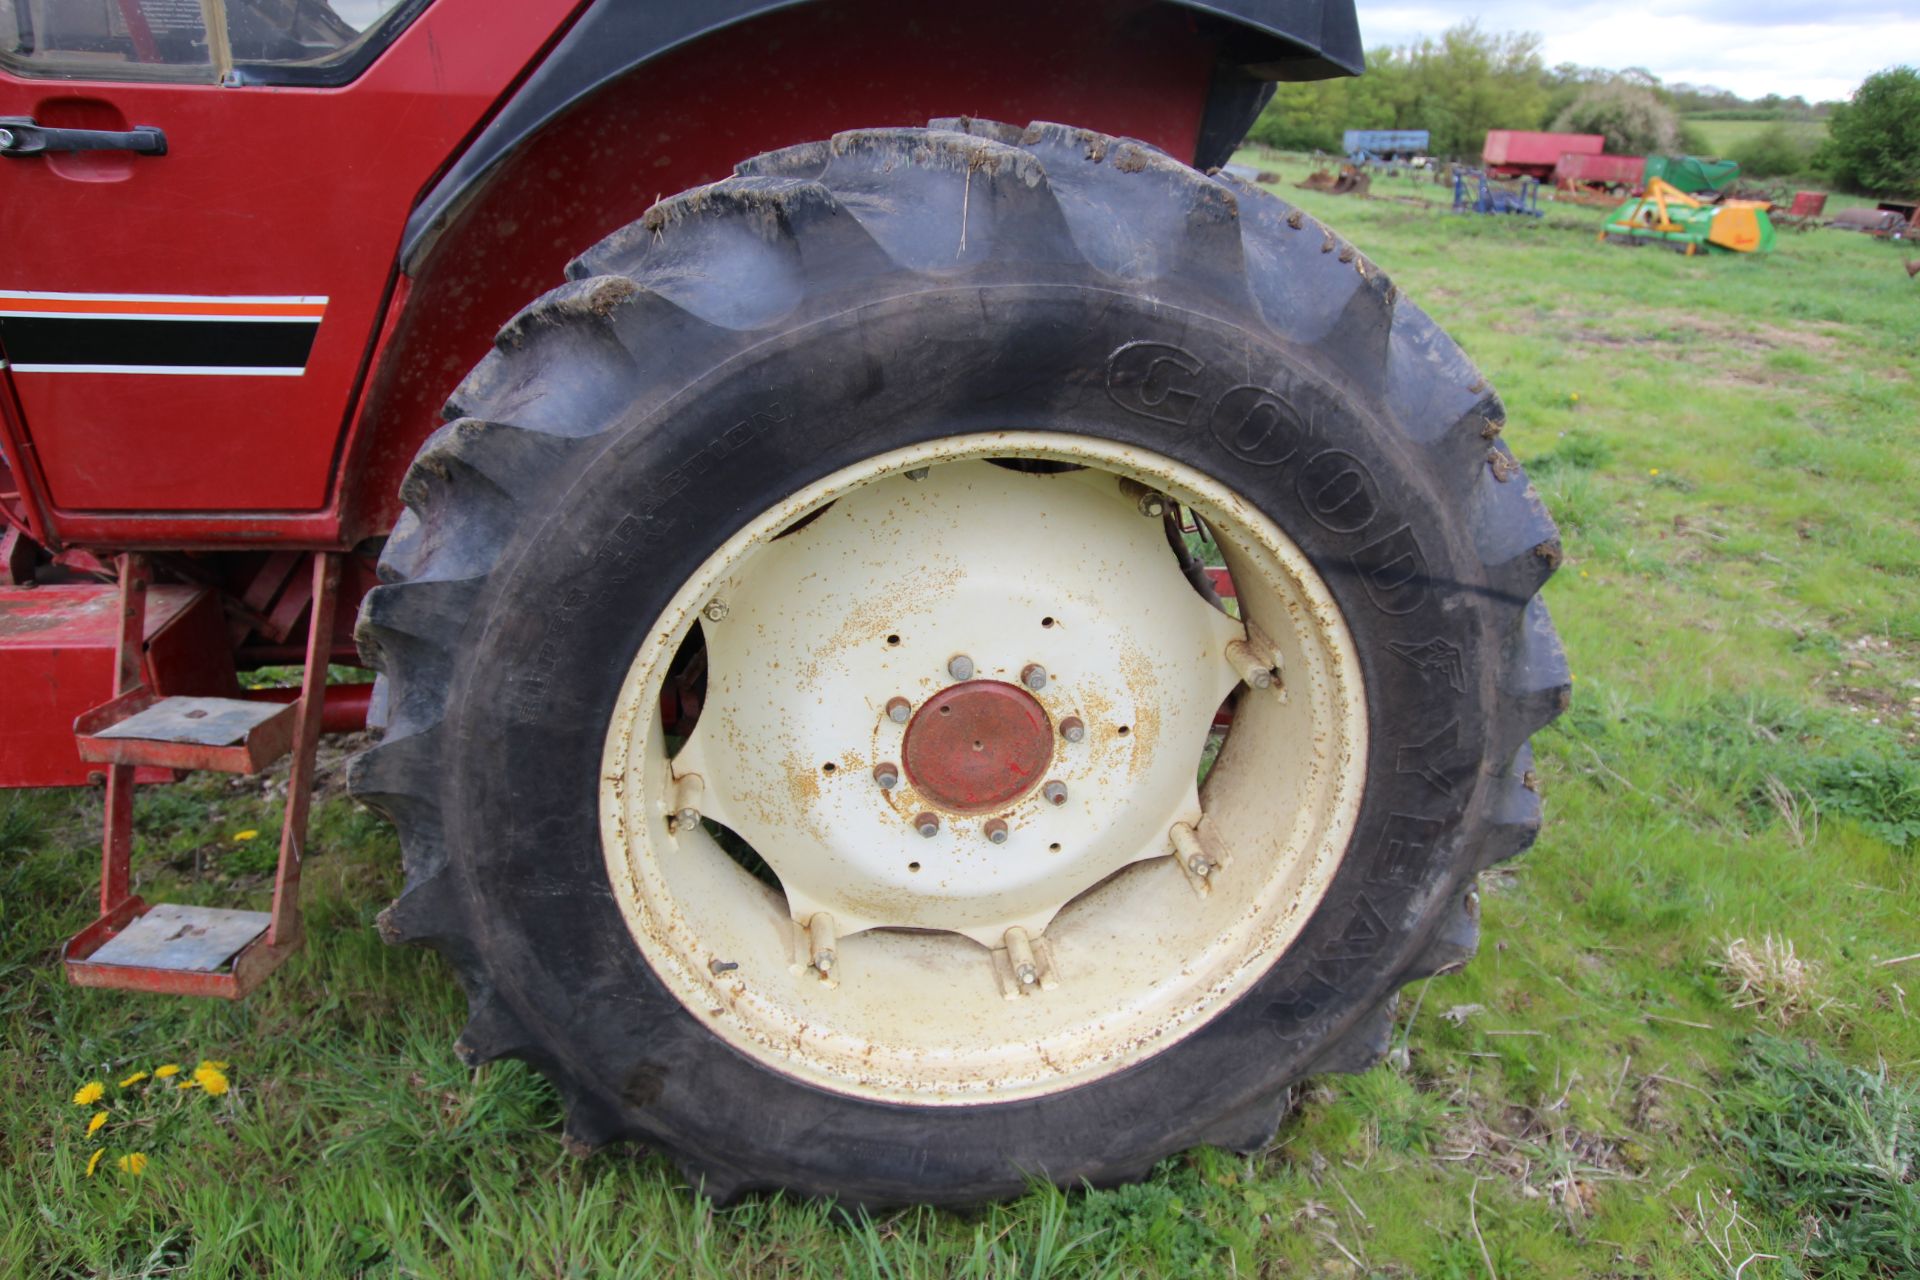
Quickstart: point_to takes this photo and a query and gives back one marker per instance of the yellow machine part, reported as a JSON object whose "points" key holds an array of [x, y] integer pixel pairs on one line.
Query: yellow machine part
{"points": [[1736, 228]]}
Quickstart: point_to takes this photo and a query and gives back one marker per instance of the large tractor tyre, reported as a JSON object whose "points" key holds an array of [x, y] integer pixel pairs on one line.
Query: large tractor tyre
{"points": [[797, 672]]}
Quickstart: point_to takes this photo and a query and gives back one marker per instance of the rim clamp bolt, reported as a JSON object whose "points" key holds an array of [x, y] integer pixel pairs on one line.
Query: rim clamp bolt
{"points": [[899, 710], [1073, 729], [887, 774], [927, 825], [1055, 792], [960, 667], [1034, 676], [996, 830]]}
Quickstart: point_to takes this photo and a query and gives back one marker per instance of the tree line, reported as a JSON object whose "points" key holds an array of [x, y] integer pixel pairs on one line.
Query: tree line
{"points": [[1468, 81]]}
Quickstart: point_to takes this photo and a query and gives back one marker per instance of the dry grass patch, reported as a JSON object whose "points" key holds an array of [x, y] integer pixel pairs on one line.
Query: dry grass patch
{"points": [[1770, 978]]}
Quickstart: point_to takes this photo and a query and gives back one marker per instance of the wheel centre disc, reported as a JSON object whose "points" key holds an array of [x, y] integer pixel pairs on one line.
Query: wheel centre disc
{"points": [[977, 746]]}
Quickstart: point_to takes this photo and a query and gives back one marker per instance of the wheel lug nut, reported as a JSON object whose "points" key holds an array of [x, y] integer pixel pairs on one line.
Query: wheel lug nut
{"points": [[1055, 792], [1073, 729], [927, 825], [887, 775], [996, 830], [1151, 502], [686, 820], [898, 709], [960, 667], [716, 611], [1034, 676]]}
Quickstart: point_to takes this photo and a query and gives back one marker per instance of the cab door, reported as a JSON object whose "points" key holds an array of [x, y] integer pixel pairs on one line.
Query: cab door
{"points": [[201, 203]]}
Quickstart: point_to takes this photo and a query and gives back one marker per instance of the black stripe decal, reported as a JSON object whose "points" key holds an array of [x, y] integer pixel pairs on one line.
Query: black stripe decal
{"points": [[254, 344]]}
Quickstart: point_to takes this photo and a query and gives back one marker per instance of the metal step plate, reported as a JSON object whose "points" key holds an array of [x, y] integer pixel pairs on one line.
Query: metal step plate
{"points": [[209, 722], [189, 939]]}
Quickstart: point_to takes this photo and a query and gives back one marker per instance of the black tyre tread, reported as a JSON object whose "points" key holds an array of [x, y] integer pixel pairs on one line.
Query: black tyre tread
{"points": [[702, 272]]}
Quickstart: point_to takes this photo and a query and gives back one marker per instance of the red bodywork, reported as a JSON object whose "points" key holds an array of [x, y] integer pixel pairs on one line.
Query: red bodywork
{"points": [[1518, 153], [292, 202]]}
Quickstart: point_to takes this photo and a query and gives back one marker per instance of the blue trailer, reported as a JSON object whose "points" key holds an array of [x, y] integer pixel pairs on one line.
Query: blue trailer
{"points": [[1363, 145]]}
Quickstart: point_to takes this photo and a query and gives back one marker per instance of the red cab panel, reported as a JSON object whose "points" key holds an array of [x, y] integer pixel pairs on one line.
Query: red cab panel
{"points": [[187, 331]]}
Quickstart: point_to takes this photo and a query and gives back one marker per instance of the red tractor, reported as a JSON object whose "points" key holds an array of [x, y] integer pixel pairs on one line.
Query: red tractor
{"points": [[943, 651]]}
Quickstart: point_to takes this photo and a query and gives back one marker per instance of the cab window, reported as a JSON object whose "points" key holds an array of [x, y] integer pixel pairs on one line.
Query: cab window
{"points": [[238, 41]]}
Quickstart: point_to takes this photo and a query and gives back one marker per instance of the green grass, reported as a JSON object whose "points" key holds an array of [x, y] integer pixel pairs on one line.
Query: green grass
{"points": [[1729, 444], [1724, 135]]}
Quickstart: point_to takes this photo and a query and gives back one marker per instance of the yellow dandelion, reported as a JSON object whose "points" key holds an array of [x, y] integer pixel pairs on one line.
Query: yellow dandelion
{"points": [[188, 1084], [170, 1069], [133, 1080], [248, 834], [93, 1125], [211, 1078], [89, 1093], [215, 1063], [93, 1161], [1653, 471], [1574, 396], [132, 1162]]}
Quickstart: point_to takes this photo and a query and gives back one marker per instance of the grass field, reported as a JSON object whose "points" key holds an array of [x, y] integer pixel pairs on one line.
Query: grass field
{"points": [[1724, 135], [1635, 1078]]}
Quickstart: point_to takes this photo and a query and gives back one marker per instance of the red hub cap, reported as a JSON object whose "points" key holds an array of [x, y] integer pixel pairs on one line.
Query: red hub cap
{"points": [[977, 746]]}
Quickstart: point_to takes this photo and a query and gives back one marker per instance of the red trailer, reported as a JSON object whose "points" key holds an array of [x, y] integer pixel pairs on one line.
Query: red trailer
{"points": [[1586, 169], [1516, 153]]}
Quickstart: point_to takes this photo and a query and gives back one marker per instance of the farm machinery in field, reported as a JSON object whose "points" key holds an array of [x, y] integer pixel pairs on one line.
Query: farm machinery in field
{"points": [[752, 534], [1475, 192], [1686, 224]]}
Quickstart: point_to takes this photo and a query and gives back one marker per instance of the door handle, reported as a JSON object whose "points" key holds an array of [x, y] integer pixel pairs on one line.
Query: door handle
{"points": [[20, 136]]}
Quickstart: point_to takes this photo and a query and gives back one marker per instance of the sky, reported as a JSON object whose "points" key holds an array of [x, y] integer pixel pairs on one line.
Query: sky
{"points": [[1816, 48]]}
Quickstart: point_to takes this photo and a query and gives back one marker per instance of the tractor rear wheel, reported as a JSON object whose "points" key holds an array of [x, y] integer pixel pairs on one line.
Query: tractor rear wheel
{"points": [[800, 681]]}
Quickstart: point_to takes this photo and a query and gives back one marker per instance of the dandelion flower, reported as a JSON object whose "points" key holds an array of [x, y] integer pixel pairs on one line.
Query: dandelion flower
{"points": [[210, 1078], [1653, 471], [133, 1079], [188, 1084], [215, 1063], [93, 1161], [93, 1125], [1574, 396], [170, 1069], [132, 1162], [248, 834], [89, 1093]]}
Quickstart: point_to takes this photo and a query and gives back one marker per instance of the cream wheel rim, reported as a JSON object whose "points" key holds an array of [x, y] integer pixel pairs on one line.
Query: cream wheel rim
{"points": [[935, 834]]}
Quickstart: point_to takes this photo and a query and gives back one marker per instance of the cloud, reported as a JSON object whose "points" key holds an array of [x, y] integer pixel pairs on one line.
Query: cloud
{"points": [[1753, 47]]}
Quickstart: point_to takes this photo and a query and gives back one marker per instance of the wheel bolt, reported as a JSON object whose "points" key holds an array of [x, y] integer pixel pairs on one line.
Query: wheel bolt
{"points": [[1034, 676], [1151, 502], [716, 611], [927, 825], [918, 473], [887, 775], [1055, 792], [960, 667], [996, 830], [686, 820], [898, 709], [1073, 729], [1199, 865]]}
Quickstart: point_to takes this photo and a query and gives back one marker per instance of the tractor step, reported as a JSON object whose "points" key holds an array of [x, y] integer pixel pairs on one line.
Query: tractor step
{"points": [[179, 950], [187, 950], [230, 735]]}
